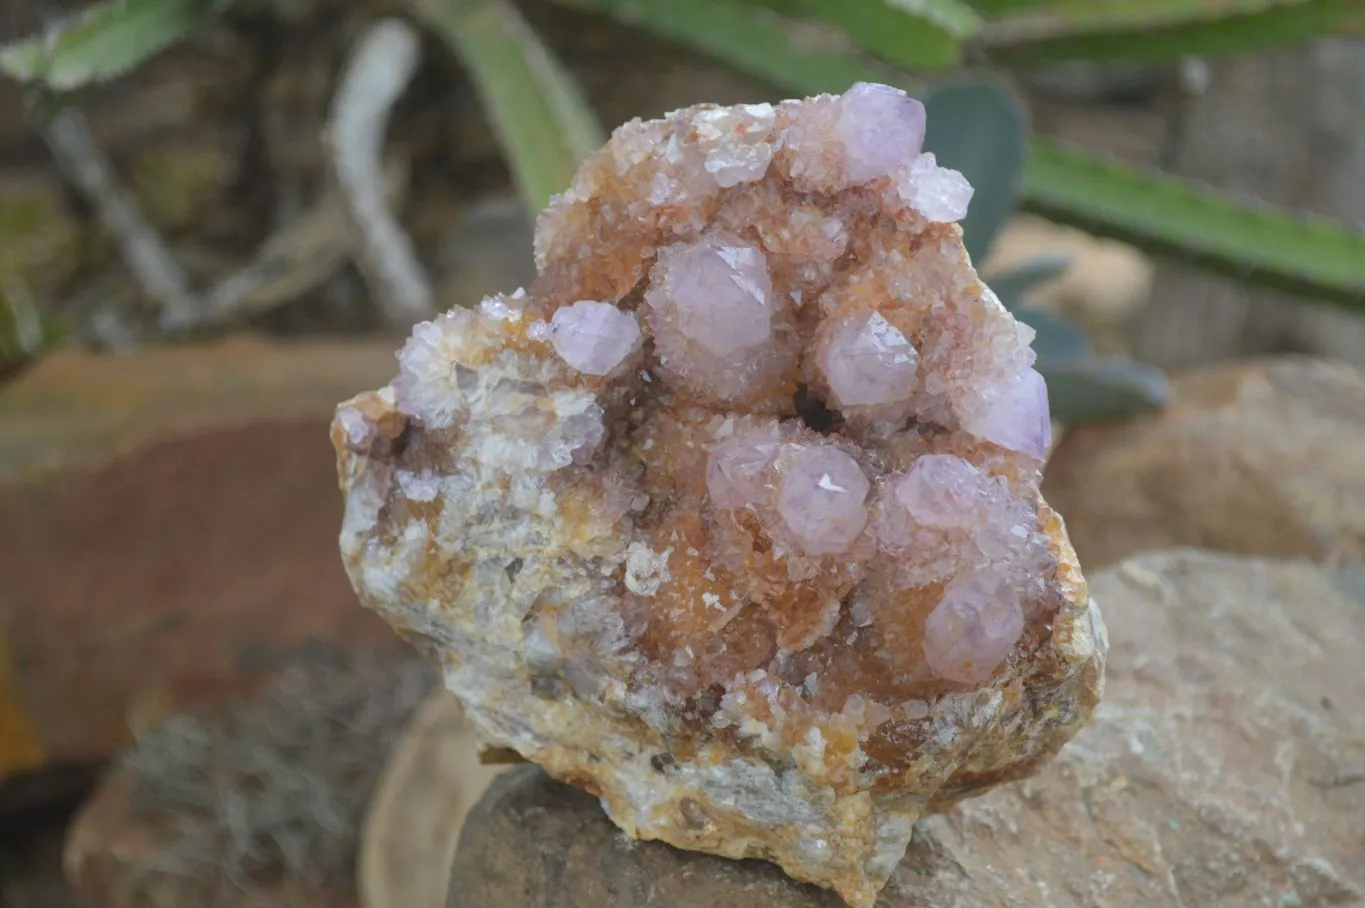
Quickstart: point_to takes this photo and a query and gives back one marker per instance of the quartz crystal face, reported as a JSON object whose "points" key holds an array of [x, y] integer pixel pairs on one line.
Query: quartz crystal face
{"points": [[732, 517]]}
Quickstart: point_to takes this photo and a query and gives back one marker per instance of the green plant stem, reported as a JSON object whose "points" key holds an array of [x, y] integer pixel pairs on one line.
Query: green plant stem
{"points": [[541, 119], [1311, 256], [922, 34], [1165, 30], [752, 39]]}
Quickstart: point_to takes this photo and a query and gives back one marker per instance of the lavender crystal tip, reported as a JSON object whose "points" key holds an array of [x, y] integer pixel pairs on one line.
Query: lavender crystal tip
{"points": [[733, 517]]}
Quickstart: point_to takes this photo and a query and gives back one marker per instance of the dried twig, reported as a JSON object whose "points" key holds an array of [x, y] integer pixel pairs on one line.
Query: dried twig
{"points": [[272, 792], [375, 76], [144, 252], [292, 261], [295, 259]]}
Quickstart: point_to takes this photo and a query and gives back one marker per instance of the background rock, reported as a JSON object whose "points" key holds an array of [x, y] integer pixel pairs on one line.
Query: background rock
{"points": [[168, 527], [1226, 766], [412, 826], [1104, 290], [1261, 457]]}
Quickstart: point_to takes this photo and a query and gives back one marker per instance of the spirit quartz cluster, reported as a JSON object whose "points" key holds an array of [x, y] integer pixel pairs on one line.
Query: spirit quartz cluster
{"points": [[733, 518]]}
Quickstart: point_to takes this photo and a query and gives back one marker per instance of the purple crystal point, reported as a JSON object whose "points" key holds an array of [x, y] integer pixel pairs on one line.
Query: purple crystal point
{"points": [[943, 490], [734, 474], [723, 295], [868, 362], [881, 128], [974, 627], [594, 337], [823, 499], [1019, 419]]}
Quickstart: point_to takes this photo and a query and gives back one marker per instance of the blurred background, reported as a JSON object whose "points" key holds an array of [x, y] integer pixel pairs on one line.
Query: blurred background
{"points": [[218, 219]]}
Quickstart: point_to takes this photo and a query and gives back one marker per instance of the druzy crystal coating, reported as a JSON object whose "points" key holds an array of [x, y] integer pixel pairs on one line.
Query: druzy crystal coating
{"points": [[732, 517]]}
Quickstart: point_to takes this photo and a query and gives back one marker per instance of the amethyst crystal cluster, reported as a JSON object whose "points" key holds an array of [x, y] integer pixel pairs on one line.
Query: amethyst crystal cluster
{"points": [[733, 517]]}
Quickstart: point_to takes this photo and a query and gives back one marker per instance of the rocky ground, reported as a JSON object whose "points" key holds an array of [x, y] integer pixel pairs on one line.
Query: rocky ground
{"points": [[1224, 767]]}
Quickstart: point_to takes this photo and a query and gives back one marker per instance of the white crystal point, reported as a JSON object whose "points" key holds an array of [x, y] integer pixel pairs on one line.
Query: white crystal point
{"points": [[722, 295], [881, 128], [974, 627], [594, 337], [359, 431], [1019, 419], [823, 499], [735, 142], [432, 376], [734, 474], [937, 193], [868, 362]]}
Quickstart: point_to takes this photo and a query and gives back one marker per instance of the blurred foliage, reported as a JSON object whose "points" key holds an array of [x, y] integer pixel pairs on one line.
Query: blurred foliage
{"points": [[102, 42], [925, 34], [1159, 30], [24, 333], [541, 118], [977, 126]]}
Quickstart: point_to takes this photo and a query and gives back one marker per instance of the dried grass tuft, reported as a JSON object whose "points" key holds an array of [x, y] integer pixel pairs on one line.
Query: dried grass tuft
{"points": [[272, 793]]}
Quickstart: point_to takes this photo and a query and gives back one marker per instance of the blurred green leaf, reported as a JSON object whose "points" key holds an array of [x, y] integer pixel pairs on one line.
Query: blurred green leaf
{"points": [[542, 121], [1311, 256], [1099, 390], [1063, 16], [980, 129], [1014, 284], [1163, 30], [750, 38], [102, 42], [24, 333], [996, 7], [1058, 340], [977, 128], [921, 34]]}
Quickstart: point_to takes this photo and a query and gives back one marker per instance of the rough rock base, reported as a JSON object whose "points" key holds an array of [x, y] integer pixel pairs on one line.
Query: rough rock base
{"points": [[1225, 767]]}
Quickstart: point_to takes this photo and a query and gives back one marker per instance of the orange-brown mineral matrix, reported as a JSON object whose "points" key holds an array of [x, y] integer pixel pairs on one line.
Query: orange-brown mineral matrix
{"points": [[733, 517]]}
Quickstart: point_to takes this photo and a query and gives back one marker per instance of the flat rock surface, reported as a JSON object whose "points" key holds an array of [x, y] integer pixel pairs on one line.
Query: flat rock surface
{"points": [[168, 527], [1226, 766], [74, 408], [1265, 457]]}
